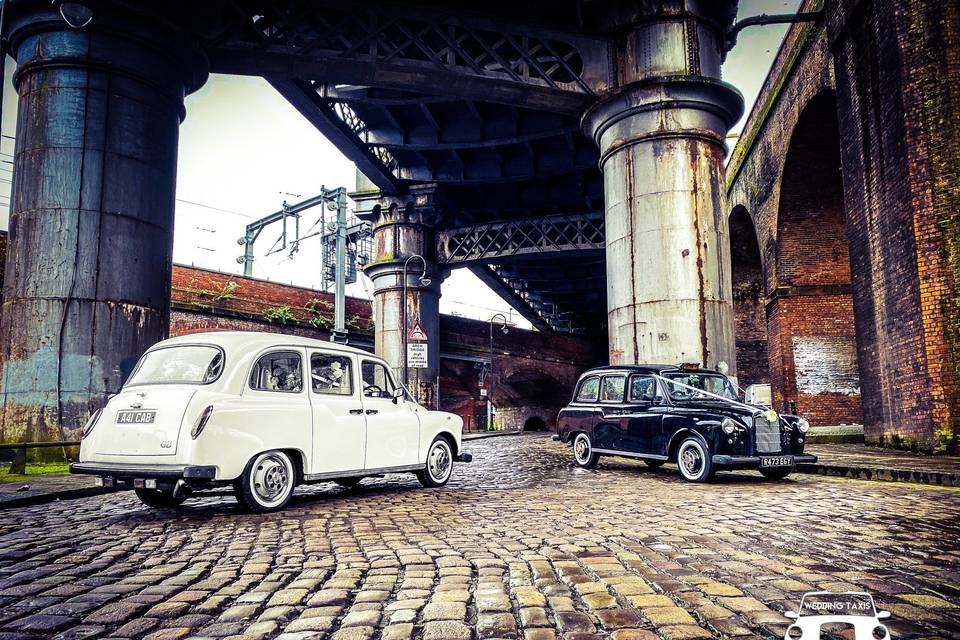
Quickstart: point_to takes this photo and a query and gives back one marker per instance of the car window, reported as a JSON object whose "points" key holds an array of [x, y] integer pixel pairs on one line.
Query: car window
{"points": [[643, 388], [377, 382], [588, 390], [187, 364], [331, 374], [611, 390], [278, 371]]}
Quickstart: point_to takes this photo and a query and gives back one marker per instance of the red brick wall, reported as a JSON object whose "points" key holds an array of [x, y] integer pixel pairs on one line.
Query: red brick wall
{"points": [[816, 331], [749, 314], [897, 66]]}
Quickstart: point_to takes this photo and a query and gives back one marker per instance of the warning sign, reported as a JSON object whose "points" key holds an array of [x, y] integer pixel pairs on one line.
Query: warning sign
{"points": [[416, 333], [417, 355]]}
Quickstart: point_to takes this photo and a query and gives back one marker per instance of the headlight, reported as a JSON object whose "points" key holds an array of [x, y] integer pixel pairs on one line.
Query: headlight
{"points": [[729, 426], [803, 425], [202, 422], [91, 423]]}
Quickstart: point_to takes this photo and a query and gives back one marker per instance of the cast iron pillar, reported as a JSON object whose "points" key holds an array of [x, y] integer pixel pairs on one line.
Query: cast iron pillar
{"points": [[87, 283], [403, 228], [661, 138]]}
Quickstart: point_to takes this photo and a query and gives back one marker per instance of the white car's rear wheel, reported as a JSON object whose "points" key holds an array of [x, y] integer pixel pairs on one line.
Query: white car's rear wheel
{"points": [[267, 482], [439, 464]]}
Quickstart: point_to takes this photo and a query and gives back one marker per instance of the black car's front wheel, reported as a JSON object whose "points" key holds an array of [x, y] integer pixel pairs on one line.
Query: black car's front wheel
{"points": [[694, 461], [583, 453], [776, 473]]}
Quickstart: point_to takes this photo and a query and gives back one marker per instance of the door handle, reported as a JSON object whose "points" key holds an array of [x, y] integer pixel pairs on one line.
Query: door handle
{"points": [[356, 412], [371, 412]]}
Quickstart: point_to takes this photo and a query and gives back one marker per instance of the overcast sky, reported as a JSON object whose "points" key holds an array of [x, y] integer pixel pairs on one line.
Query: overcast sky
{"points": [[244, 150]]}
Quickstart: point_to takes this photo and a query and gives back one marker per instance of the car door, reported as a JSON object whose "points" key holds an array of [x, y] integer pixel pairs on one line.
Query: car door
{"points": [[393, 428], [642, 424], [608, 432], [339, 424]]}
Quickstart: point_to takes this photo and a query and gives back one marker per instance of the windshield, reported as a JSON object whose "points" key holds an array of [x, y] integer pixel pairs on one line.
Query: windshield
{"points": [[711, 383], [189, 364]]}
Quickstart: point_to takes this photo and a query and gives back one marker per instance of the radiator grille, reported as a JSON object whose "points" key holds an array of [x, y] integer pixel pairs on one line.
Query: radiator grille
{"points": [[768, 435]]}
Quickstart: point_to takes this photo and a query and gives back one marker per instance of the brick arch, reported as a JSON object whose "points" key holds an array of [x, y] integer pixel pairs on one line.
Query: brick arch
{"points": [[810, 320], [749, 296]]}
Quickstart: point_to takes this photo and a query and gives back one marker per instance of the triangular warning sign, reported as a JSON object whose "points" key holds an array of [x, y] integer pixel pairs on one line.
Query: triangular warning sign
{"points": [[417, 333]]}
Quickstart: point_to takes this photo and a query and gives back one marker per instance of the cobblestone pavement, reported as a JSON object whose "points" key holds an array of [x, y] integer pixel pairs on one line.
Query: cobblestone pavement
{"points": [[519, 545]]}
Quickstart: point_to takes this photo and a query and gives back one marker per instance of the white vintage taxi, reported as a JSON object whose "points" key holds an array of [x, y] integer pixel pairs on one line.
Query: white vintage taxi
{"points": [[262, 412]]}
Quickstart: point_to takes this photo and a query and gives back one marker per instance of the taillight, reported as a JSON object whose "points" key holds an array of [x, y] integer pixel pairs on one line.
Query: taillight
{"points": [[91, 423], [202, 422]]}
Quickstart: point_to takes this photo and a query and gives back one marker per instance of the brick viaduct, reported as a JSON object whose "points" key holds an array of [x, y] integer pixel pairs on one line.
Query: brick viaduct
{"points": [[842, 198]]}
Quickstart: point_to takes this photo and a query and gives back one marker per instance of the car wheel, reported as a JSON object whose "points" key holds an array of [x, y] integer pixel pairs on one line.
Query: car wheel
{"points": [[347, 483], [158, 499], [267, 482], [583, 453], [693, 460], [439, 464], [776, 473], [653, 464]]}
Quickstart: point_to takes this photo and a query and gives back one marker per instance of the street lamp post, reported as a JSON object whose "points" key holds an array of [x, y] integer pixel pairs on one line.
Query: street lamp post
{"points": [[424, 281], [503, 328]]}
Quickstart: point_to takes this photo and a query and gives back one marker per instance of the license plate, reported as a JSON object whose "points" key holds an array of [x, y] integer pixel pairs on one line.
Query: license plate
{"points": [[136, 417], [776, 461]]}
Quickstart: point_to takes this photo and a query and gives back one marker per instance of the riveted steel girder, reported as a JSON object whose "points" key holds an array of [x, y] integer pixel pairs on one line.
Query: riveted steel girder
{"points": [[538, 236]]}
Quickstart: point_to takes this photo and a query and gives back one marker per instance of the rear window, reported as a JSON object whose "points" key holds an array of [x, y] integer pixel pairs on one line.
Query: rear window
{"points": [[588, 390], [187, 364]]}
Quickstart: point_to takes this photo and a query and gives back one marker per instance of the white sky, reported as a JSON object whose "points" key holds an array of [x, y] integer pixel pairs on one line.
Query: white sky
{"points": [[244, 150]]}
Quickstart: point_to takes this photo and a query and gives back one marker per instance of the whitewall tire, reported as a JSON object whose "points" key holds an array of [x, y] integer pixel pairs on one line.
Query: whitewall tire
{"points": [[267, 482], [583, 453], [439, 464], [694, 461]]}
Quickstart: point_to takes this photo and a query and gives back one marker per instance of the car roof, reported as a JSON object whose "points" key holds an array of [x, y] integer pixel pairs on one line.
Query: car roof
{"points": [[229, 340], [642, 368]]}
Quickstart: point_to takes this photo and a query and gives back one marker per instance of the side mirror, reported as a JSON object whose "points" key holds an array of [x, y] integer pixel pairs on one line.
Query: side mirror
{"points": [[883, 615], [397, 395], [791, 614]]}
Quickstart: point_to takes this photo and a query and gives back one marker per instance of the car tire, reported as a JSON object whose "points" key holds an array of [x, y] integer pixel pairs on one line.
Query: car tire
{"points": [[583, 454], [694, 461], [776, 473], [439, 464], [348, 483], [159, 499], [654, 464], [267, 482]]}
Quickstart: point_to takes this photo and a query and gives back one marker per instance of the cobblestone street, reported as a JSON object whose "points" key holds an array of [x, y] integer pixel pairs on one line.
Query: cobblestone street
{"points": [[519, 544]]}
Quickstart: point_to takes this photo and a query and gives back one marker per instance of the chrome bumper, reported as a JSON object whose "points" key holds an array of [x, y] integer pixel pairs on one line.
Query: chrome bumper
{"points": [[125, 471], [753, 462]]}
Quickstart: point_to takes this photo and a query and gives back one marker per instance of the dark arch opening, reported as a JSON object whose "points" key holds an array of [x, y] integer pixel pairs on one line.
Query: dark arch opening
{"points": [[535, 423], [749, 313], [812, 337]]}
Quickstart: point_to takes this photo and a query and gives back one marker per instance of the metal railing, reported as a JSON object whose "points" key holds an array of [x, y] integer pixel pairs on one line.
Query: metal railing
{"points": [[19, 464]]}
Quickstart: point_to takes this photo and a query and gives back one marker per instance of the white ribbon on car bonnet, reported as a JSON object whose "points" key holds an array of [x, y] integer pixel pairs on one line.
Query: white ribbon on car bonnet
{"points": [[769, 414]]}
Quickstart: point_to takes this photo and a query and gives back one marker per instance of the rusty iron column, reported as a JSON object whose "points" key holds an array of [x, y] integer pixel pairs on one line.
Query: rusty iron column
{"points": [[87, 281], [403, 227], [661, 138]]}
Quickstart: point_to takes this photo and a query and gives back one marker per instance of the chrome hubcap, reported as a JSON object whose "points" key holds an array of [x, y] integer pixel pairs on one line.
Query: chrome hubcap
{"points": [[581, 448], [270, 478], [691, 460], [439, 462]]}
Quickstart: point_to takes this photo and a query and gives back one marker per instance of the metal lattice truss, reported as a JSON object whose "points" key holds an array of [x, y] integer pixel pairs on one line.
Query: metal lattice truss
{"points": [[392, 45], [533, 236]]}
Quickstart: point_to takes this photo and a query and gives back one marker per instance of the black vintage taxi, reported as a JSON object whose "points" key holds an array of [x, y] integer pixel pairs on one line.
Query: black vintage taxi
{"points": [[678, 413]]}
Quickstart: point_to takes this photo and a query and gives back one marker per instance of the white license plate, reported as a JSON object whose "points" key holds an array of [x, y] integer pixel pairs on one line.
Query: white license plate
{"points": [[776, 461], [136, 417]]}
